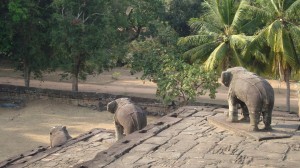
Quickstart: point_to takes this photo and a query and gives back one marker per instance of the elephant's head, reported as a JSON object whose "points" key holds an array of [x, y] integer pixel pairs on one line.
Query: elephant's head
{"points": [[226, 78], [227, 75], [112, 106]]}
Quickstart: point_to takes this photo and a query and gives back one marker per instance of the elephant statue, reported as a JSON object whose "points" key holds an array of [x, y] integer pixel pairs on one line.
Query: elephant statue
{"points": [[254, 94], [128, 117], [58, 136]]}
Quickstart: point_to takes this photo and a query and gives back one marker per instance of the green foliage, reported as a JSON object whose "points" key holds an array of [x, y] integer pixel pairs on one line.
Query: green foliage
{"points": [[180, 11], [26, 36], [5, 40], [280, 36], [85, 36], [116, 75], [18, 10], [145, 55], [140, 16], [218, 39], [159, 59], [180, 81]]}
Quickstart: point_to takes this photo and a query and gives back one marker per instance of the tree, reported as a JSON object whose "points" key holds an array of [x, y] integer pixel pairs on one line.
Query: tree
{"points": [[184, 82], [280, 36], [27, 39], [218, 37], [180, 11], [141, 15], [5, 41], [159, 59], [84, 36]]}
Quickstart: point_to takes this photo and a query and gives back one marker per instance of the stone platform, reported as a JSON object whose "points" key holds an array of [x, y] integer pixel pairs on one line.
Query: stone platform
{"points": [[282, 127], [182, 139]]}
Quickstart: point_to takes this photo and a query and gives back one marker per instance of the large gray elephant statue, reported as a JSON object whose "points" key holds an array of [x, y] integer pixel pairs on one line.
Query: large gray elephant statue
{"points": [[128, 117], [253, 93], [58, 136]]}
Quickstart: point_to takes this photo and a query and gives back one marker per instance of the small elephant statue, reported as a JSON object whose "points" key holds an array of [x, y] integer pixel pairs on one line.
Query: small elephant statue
{"points": [[128, 117], [58, 136], [254, 94]]}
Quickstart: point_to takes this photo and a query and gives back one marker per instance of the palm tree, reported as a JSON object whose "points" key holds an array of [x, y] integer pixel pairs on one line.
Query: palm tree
{"points": [[281, 35], [218, 39]]}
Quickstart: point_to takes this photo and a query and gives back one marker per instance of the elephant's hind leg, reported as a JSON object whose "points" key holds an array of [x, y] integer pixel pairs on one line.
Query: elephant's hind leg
{"points": [[267, 119], [254, 120], [245, 112], [119, 130]]}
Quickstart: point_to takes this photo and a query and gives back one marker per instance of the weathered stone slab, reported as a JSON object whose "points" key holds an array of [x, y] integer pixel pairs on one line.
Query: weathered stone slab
{"points": [[254, 153], [293, 156], [243, 128], [130, 141], [197, 163], [28, 159], [273, 147]]}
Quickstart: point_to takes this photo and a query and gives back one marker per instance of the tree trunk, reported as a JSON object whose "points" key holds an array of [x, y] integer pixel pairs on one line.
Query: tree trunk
{"points": [[287, 74], [75, 83], [75, 73], [26, 74], [298, 99]]}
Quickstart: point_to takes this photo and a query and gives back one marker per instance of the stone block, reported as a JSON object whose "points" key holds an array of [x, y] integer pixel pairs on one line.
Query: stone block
{"points": [[227, 165], [182, 146], [214, 138], [235, 140], [144, 148], [269, 146], [262, 155], [198, 163], [293, 156], [144, 161], [273, 163], [166, 155], [220, 157], [158, 140]]}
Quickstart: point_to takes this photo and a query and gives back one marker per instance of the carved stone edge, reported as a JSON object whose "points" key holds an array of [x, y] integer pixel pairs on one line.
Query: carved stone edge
{"points": [[44, 151]]}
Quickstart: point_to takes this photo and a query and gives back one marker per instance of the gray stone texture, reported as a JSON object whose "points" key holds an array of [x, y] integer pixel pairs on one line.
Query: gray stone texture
{"points": [[186, 141]]}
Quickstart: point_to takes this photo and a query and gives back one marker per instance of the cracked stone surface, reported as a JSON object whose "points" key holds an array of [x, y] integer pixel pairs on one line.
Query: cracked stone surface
{"points": [[184, 140]]}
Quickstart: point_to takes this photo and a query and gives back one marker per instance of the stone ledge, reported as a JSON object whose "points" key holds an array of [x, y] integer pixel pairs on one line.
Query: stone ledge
{"points": [[281, 129], [41, 152]]}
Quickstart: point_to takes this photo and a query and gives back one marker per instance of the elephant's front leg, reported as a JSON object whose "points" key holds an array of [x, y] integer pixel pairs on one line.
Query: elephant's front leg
{"points": [[119, 130], [233, 112]]}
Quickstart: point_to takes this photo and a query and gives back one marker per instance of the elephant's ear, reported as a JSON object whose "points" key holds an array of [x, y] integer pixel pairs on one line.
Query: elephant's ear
{"points": [[112, 106], [226, 78]]}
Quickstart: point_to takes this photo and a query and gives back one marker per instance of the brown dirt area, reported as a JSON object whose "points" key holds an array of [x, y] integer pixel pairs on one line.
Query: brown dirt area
{"points": [[26, 128]]}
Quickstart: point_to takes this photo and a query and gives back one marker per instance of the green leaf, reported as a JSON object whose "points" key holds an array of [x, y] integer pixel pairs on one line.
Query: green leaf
{"points": [[216, 57]]}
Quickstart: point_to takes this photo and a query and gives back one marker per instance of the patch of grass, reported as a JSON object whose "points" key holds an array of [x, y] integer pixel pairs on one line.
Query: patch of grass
{"points": [[116, 75]]}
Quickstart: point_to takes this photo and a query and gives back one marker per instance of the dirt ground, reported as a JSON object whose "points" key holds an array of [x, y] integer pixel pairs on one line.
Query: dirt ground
{"points": [[26, 128]]}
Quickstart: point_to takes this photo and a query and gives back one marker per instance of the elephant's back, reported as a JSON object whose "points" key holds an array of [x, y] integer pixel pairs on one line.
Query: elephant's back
{"points": [[255, 87], [129, 111]]}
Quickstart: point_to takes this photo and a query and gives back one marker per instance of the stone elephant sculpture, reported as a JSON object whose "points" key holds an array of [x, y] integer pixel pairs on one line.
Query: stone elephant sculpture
{"points": [[253, 93], [128, 117], [58, 136]]}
